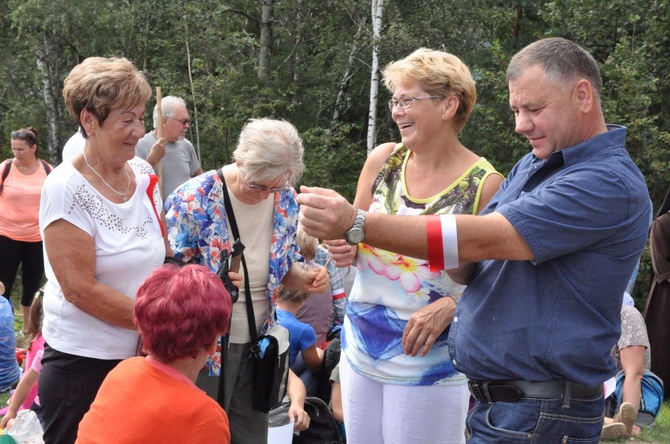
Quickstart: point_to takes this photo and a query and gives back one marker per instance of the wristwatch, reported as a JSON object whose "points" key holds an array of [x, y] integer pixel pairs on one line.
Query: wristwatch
{"points": [[355, 234]]}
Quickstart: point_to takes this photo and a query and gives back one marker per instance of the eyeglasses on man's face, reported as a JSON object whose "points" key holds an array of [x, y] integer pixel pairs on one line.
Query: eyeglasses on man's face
{"points": [[406, 102], [184, 122], [257, 187]]}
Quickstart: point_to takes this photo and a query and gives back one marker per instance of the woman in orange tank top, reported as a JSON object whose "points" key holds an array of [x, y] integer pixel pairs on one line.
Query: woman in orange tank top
{"points": [[20, 241]]}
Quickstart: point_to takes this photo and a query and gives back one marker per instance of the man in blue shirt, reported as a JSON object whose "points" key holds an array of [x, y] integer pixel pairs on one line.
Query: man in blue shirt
{"points": [[546, 262]]}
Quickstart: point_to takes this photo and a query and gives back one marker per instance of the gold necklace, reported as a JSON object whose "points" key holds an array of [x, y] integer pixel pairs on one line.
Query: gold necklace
{"points": [[123, 195], [22, 167]]}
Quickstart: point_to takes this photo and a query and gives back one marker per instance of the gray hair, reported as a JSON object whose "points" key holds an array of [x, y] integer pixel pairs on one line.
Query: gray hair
{"points": [[269, 150], [168, 104], [563, 61]]}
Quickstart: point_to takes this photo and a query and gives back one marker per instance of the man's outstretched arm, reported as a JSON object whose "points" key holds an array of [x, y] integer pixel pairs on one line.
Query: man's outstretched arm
{"points": [[327, 215]]}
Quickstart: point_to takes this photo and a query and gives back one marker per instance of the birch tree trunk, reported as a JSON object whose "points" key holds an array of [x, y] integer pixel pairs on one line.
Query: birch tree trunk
{"points": [[195, 107], [266, 40], [377, 12], [43, 52], [344, 84]]}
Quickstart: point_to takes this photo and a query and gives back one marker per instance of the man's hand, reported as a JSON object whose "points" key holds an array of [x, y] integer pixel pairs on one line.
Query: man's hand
{"points": [[325, 214], [157, 152]]}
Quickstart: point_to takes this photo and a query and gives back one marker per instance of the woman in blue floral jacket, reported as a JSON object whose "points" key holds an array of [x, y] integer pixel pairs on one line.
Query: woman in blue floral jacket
{"points": [[268, 160]]}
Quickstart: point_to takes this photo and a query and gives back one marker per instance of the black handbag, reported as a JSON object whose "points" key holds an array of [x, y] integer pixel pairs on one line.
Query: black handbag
{"points": [[226, 260], [270, 351]]}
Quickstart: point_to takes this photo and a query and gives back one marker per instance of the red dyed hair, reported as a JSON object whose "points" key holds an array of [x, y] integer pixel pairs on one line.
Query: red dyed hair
{"points": [[179, 311]]}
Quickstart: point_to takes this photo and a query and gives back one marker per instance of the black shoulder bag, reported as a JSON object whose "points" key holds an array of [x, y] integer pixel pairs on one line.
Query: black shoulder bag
{"points": [[269, 352]]}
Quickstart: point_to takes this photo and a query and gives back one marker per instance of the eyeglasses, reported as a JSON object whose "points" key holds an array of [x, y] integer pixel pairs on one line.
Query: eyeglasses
{"points": [[23, 135], [255, 187], [407, 102], [184, 122]]}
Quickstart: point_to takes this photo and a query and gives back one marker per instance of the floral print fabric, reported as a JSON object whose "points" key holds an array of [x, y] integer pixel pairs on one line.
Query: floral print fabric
{"points": [[633, 332], [198, 233], [390, 287]]}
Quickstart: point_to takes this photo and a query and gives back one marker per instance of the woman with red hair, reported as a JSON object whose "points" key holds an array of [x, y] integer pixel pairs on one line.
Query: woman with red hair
{"points": [[180, 313]]}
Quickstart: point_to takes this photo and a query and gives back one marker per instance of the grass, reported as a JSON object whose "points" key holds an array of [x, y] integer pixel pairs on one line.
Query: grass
{"points": [[660, 432]]}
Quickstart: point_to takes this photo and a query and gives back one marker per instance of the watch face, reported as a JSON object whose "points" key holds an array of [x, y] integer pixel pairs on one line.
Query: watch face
{"points": [[355, 235]]}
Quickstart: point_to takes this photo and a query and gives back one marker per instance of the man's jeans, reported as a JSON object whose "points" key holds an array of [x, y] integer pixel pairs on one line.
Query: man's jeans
{"points": [[536, 421]]}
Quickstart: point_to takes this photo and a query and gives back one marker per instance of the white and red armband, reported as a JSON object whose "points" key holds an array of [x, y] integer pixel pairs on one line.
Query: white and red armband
{"points": [[442, 242]]}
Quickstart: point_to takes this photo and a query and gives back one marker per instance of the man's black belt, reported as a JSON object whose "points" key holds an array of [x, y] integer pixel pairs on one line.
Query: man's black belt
{"points": [[514, 390]]}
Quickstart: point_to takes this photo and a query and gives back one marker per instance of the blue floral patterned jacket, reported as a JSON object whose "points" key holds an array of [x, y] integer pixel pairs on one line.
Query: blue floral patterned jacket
{"points": [[198, 228]]}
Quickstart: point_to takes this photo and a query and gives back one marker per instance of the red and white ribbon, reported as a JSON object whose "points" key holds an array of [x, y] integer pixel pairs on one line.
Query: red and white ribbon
{"points": [[442, 242]]}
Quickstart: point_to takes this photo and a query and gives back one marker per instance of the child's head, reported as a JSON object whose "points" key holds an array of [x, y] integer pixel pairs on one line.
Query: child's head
{"points": [[34, 330], [307, 244], [2, 288], [289, 295]]}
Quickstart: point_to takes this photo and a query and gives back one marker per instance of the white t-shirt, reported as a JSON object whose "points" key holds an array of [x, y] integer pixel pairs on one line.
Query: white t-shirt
{"points": [[128, 246], [73, 146]]}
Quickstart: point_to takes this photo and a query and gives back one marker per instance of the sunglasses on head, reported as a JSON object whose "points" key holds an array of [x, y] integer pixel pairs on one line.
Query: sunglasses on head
{"points": [[22, 135]]}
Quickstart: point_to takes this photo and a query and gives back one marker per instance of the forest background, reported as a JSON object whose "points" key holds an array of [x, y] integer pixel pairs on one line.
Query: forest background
{"points": [[311, 62]]}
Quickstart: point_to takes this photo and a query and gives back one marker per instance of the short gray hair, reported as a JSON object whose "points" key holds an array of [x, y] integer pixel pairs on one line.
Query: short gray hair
{"points": [[270, 150], [563, 62], [168, 104]]}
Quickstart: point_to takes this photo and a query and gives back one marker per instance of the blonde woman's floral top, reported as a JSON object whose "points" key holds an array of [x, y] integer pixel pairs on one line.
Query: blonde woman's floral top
{"points": [[198, 232], [390, 287]]}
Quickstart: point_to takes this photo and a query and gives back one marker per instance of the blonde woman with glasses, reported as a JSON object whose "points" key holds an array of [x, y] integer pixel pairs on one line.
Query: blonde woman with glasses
{"points": [[398, 383]]}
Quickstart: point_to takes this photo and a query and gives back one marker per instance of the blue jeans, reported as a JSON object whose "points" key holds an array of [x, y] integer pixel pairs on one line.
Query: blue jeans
{"points": [[536, 421]]}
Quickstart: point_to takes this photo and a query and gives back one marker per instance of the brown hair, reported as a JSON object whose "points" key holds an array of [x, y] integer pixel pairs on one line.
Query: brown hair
{"points": [[34, 330], [100, 84], [29, 134], [563, 61]]}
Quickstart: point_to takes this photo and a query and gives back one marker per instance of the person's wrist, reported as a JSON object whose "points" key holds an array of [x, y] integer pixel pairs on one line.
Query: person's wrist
{"points": [[352, 217], [356, 231], [452, 297]]}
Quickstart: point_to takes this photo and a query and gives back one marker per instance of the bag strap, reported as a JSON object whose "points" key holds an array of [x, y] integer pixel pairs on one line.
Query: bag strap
{"points": [[251, 318], [247, 289], [5, 173], [47, 167], [665, 206]]}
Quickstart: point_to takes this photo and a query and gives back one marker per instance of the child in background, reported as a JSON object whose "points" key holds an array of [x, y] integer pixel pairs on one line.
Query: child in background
{"points": [[35, 341], [10, 372], [26, 384], [336, 399], [301, 336], [323, 311], [25, 395]]}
